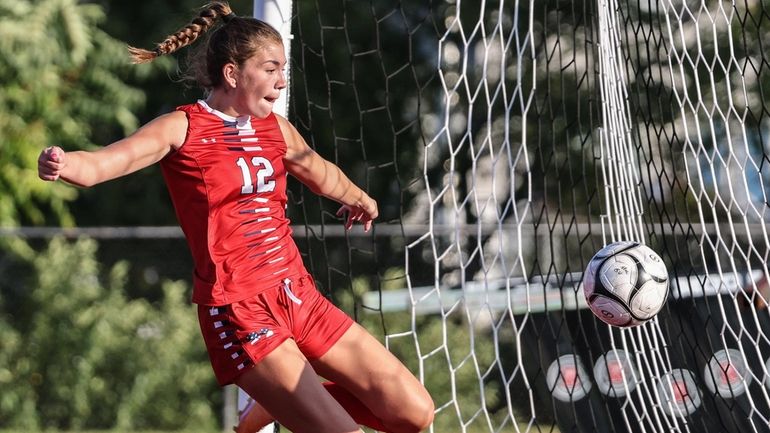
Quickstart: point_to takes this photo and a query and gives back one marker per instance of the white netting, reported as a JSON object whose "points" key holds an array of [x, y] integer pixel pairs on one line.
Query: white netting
{"points": [[521, 137]]}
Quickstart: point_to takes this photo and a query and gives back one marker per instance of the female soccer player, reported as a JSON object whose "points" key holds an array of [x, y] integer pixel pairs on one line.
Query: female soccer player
{"points": [[266, 327]]}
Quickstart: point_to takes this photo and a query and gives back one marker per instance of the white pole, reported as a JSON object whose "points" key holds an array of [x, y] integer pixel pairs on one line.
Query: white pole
{"points": [[277, 13]]}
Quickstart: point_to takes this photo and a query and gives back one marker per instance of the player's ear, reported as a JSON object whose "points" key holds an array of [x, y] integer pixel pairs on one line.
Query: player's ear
{"points": [[229, 72]]}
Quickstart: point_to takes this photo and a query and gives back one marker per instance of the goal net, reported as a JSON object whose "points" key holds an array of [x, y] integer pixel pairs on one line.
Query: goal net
{"points": [[506, 143]]}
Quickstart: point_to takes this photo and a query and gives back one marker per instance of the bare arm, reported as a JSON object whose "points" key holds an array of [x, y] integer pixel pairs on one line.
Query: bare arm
{"points": [[326, 179], [146, 146]]}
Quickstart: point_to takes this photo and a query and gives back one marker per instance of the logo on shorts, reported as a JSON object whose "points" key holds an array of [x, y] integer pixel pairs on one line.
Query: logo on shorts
{"points": [[255, 336]]}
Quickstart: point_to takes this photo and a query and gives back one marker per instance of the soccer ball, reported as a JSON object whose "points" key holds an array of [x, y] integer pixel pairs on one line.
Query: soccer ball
{"points": [[626, 284]]}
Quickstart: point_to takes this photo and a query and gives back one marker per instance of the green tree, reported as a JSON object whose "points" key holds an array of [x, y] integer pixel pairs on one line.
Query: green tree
{"points": [[63, 83], [77, 353]]}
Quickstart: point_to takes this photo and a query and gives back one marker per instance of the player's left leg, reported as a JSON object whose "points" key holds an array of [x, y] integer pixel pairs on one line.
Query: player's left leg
{"points": [[370, 383], [362, 367]]}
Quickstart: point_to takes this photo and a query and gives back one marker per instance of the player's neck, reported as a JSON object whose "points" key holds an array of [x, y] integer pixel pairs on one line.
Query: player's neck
{"points": [[222, 101]]}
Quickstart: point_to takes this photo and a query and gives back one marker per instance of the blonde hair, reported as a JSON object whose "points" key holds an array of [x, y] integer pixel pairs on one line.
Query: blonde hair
{"points": [[235, 41]]}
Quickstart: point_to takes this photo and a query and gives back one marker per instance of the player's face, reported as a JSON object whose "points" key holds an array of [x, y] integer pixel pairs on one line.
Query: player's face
{"points": [[260, 81]]}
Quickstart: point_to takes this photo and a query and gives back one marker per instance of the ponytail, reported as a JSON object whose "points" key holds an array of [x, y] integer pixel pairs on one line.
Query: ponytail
{"points": [[187, 34]]}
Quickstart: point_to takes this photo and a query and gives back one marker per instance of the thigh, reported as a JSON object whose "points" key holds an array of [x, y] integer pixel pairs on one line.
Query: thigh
{"points": [[284, 383], [363, 366], [317, 323]]}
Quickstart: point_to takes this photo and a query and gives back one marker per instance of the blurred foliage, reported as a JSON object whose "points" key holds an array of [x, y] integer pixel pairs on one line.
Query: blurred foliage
{"points": [[76, 353], [63, 84]]}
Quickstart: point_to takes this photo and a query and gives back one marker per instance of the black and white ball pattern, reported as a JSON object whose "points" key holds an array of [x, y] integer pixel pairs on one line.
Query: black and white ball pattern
{"points": [[626, 284]]}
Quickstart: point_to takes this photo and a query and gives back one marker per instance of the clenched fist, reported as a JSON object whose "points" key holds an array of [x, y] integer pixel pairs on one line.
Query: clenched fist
{"points": [[50, 163]]}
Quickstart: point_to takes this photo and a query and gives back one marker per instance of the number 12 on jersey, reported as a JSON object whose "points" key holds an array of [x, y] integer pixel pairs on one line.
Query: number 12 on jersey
{"points": [[263, 172]]}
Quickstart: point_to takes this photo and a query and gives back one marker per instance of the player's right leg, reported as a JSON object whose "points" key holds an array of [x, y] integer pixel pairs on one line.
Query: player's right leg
{"points": [[252, 418], [286, 386], [363, 370], [250, 344]]}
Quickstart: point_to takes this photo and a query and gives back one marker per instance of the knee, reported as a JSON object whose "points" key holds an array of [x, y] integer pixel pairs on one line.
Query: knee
{"points": [[423, 417], [417, 416]]}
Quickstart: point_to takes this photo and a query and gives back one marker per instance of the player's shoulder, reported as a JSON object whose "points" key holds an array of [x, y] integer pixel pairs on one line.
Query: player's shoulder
{"points": [[175, 116], [169, 127], [289, 132], [287, 128], [173, 119], [283, 122]]}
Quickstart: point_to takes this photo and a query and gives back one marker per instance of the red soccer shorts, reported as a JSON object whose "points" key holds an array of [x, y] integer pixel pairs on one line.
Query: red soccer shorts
{"points": [[241, 334]]}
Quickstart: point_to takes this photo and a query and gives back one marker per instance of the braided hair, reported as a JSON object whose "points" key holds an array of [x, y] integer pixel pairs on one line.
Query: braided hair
{"points": [[235, 41]]}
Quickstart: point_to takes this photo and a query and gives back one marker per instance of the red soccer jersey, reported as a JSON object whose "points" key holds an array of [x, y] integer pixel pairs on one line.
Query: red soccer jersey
{"points": [[228, 186]]}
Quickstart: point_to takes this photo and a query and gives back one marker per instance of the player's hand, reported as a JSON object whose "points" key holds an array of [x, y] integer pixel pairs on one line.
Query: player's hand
{"points": [[50, 163], [364, 212]]}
